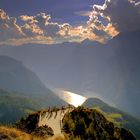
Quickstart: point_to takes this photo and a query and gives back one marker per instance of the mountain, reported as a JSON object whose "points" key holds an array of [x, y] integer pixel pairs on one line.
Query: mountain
{"points": [[87, 124], [78, 124], [15, 76], [13, 106], [93, 102], [22, 90], [55, 63], [109, 70], [115, 115]]}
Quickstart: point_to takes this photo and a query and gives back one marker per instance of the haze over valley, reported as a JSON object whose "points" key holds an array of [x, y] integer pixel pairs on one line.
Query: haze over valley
{"points": [[70, 70], [109, 71]]}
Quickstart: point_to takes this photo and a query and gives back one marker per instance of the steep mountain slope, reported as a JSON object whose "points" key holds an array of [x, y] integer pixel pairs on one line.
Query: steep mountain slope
{"points": [[90, 124], [110, 71], [23, 91], [115, 115], [15, 76], [13, 106], [55, 64]]}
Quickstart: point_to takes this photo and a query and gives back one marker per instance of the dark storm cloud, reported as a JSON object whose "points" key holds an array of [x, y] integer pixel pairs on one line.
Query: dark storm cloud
{"points": [[124, 15]]}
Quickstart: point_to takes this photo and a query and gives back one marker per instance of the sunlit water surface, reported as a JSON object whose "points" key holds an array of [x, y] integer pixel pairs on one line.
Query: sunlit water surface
{"points": [[72, 98]]}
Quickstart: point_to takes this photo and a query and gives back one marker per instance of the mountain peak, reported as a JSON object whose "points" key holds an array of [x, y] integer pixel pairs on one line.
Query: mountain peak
{"points": [[90, 102], [88, 42]]}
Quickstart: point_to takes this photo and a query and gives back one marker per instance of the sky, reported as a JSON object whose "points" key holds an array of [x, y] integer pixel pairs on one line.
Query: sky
{"points": [[57, 21], [60, 10]]}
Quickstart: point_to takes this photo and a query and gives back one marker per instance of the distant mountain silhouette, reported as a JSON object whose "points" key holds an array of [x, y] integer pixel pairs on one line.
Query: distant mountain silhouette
{"points": [[96, 102], [15, 76], [110, 70]]}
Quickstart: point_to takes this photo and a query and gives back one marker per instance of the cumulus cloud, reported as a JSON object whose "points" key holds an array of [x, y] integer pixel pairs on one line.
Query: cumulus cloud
{"points": [[40, 25], [120, 16], [43, 30], [8, 27], [114, 16], [34, 29], [105, 21]]}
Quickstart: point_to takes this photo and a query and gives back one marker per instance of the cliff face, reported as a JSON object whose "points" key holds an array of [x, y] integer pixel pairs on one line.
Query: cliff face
{"points": [[91, 124]]}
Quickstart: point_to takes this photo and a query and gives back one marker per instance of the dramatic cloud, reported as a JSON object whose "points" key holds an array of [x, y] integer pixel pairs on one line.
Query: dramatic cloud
{"points": [[105, 21], [35, 29], [119, 15], [8, 27], [40, 25], [34, 25], [40, 29], [37, 39], [123, 14]]}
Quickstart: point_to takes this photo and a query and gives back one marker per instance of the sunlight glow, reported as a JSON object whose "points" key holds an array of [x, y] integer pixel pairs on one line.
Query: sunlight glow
{"points": [[73, 98]]}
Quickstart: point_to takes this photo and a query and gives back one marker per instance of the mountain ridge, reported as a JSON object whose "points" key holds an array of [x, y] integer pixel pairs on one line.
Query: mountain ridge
{"points": [[110, 70], [20, 86], [114, 114]]}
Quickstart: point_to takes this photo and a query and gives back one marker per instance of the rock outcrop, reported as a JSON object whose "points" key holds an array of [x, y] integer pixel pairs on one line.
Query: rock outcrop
{"points": [[92, 125], [30, 125]]}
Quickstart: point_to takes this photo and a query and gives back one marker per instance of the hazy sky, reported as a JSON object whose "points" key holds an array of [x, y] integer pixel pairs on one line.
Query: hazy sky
{"points": [[56, 21]]}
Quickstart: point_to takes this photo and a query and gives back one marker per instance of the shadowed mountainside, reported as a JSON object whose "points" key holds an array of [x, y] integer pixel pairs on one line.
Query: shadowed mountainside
{"points": [[111, 70], [15, 105], [115, 115], [90, 124], [21, 91]]}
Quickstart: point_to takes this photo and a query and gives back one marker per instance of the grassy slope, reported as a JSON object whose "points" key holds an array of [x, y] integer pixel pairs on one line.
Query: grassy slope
{"points": [[13, 106], [92, 124], [15, 134], [115, 115]]}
